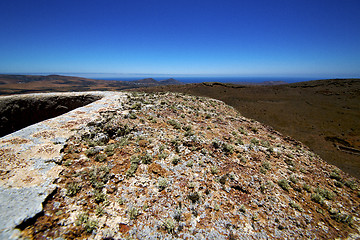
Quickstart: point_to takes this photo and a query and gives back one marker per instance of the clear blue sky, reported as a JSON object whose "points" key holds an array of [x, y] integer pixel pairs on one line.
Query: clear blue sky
{"points": [[319, 38]]}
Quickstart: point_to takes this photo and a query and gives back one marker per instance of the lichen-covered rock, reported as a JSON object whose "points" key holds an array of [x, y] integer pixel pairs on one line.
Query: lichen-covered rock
{"points": [[177, 166]]}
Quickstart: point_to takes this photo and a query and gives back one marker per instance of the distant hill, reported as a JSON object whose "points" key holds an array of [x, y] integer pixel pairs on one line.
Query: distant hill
{"points": [[170, 81], [17, 84]]}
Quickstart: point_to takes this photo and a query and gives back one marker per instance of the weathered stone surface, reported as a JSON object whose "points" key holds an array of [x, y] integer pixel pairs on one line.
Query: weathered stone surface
{"points": [[29, 157]]}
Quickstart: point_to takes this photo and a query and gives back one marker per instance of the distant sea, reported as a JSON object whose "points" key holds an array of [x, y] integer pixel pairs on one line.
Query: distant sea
{"points": [[216, 79]]}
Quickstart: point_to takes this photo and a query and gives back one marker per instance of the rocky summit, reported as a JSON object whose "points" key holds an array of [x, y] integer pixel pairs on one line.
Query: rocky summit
{"points": [[174, 166]]}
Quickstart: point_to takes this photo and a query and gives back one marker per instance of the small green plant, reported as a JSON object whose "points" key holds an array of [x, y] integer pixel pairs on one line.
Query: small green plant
{"points": [[72, 189], [340, 217], [99, 196], [100, 157], [296, 206], [187, 128], [242, 159], [351, 184], [135, 161], [162, 183], [239, 141], [242, 208], [131, 171], [216, 144], [265, 143], [123, 141], [307, 187], [169, 225], [188, 133], [67, 163], [266, 165], [175, 160], [335, 175], [136, 106], [121, 200], [263, 170], [99, 211], [254, 141], [88, 224], [91, 152], [190, 163], [293, 179], [175, 124], [242, 131], [146, 158], [228, 148], [316, 197], [82, 218], [284, 184], [133, 213], [98, 176], [223, 179], [163, 155], [214, 170], [194, 196], [325, 193], [175, 142], [338, 184], [254, 129], [109, 150], [132, 115]]}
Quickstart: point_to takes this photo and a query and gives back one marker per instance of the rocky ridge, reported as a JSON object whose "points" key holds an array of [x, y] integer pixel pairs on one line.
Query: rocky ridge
{"points": [[168, 166]]}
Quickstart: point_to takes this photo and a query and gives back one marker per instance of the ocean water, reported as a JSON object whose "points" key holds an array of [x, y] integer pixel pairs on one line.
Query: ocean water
{"points": [[217, 79]]}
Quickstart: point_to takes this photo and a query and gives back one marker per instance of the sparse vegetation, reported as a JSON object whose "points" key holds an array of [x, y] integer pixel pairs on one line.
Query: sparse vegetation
{"points": [[162, 183], [72, 188], [351, 184], [100, 157], [254, 141], [205, 176], [194, 196], [174, 123], [296, 206], [88, 224], [306, 187], [228, 148], [325, 193], [316, 197], [133, 213], [284, 184], [99, 196], [146, 158], [190, 163], [266, 165], [169, 225], [214, 170], [175, 160]]}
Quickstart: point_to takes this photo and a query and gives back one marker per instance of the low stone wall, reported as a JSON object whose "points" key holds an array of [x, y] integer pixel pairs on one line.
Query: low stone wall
{"points": [[28, 169]]}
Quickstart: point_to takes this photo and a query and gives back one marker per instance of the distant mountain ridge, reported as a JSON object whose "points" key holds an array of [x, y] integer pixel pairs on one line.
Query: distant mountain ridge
{"points": [[17, 84]]}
